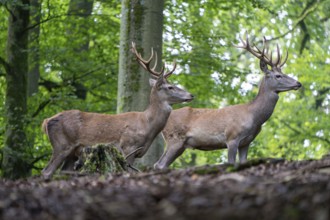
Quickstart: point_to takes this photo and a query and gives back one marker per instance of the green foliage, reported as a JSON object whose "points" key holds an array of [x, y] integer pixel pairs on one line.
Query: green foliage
{"points": [[200, 36], [70, 77]]}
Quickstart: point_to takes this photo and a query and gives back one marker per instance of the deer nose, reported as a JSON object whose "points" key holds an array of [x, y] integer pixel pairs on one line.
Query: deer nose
{"points": [[297, 86], [190, 98]]}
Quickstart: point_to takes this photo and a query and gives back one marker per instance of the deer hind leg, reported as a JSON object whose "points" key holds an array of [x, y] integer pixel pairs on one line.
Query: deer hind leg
{"points": [[62, 149], [56, 160], [173, 151]]}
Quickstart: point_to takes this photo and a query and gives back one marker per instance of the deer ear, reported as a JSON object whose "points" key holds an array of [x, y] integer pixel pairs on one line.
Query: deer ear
{"points": [[160, 81], [156, 82], [264, 67], [152, 82]]}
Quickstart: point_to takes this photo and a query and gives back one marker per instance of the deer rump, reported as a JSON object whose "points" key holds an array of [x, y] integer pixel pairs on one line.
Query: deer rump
{"points": [[76, 128]]}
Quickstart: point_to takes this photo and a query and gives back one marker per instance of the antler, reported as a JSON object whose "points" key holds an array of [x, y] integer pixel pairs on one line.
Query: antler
{"points": [[146, 63], [262, 54]]}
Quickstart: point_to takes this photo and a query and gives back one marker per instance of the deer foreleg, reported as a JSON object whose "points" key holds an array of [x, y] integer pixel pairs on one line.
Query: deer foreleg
{"points": [[171, 153], [242, 153], [232, 151]]}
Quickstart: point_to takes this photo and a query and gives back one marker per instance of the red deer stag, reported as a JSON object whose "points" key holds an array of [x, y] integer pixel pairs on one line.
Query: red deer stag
{"points": [[233, 127], [132, 132]]}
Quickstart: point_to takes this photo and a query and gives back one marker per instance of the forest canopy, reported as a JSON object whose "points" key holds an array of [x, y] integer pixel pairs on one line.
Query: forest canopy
{"points": [[70, 61]]}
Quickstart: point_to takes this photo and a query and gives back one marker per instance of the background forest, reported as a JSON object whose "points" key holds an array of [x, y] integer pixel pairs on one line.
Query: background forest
{"points": [[64, 54]]}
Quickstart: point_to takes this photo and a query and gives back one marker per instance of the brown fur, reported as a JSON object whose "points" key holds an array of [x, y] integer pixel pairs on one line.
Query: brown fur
{"points": [[232, 127], [72, 130]]}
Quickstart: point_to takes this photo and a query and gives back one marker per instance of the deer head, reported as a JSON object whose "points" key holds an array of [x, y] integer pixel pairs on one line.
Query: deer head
{"points": [[275, 79], [166, 91]]}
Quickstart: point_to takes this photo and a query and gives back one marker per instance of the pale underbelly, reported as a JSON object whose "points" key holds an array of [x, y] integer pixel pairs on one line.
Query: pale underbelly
{"points": [[206, 142]]}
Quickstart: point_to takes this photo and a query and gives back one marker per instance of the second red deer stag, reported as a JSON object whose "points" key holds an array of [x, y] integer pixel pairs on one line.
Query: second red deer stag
{"points": [[132, 132], [233, 127]]}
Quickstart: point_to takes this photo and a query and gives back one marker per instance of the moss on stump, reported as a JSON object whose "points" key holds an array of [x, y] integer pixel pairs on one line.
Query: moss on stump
{"points": [[103, 159]]}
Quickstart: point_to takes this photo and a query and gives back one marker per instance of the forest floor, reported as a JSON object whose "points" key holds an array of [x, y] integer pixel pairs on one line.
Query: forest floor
{"points": [[261, 189]]}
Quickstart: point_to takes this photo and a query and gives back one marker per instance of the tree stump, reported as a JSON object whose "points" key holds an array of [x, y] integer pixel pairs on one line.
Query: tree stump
{"points": [[101, 158]]}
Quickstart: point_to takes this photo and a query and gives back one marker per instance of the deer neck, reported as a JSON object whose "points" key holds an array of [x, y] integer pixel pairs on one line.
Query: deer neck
{"points": [[157, 113], [263, 105]]}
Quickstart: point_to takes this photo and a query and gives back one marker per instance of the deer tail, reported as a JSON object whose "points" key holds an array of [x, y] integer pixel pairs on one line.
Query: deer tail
{"points": [[44, 126]]}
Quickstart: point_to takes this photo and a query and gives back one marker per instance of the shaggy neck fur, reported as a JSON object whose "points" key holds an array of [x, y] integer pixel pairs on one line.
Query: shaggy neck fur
{"points": [[263, 105]]}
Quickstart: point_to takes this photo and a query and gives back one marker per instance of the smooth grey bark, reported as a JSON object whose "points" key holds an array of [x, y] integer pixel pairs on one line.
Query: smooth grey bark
{"points": [[142, 23]]}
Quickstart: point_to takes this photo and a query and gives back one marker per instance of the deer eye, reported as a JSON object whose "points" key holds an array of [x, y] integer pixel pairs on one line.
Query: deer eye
{"points": [[170, 87], [278, 76]]}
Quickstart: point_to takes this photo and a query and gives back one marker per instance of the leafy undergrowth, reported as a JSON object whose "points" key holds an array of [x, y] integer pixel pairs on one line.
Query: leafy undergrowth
{"points": [[261, 189]]}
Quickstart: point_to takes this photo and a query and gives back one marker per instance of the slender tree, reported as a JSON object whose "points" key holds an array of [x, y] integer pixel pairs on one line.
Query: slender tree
{"points": [[141, 22], [15, 152], [34, 59], [78, 11]]}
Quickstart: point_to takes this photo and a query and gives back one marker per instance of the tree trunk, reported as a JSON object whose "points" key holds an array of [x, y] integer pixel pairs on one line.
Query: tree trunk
{"points": [[78, 25], [79, 10], [141, 22], [15, 155], [34, 73]]}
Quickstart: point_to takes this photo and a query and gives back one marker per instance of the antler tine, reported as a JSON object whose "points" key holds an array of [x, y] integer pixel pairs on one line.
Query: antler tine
{"points": [[266, 57], [256, 52], [286, 58], [242, 41], [154, 72], [264, 45], [260, 54], [278, 60], [146, 63], [248, 47], [247, 44], [271, 59], [138, 55], [155, 65], [168, 74], [267, 50], [162, 70]]}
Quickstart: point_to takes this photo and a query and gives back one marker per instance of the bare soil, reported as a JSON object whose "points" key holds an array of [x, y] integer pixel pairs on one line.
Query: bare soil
{"points": [[261, 189]]}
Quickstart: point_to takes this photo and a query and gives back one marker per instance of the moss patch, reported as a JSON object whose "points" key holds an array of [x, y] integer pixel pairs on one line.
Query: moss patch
{"points": [[102, 159]]}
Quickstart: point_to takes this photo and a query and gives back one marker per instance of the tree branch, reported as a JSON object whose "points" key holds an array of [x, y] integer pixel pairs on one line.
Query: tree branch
{"points": [[31, 165], [39, 158], [308, 10], [58, 16], [40, 108], [302, 131], [5, 65], [6, 7]]}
